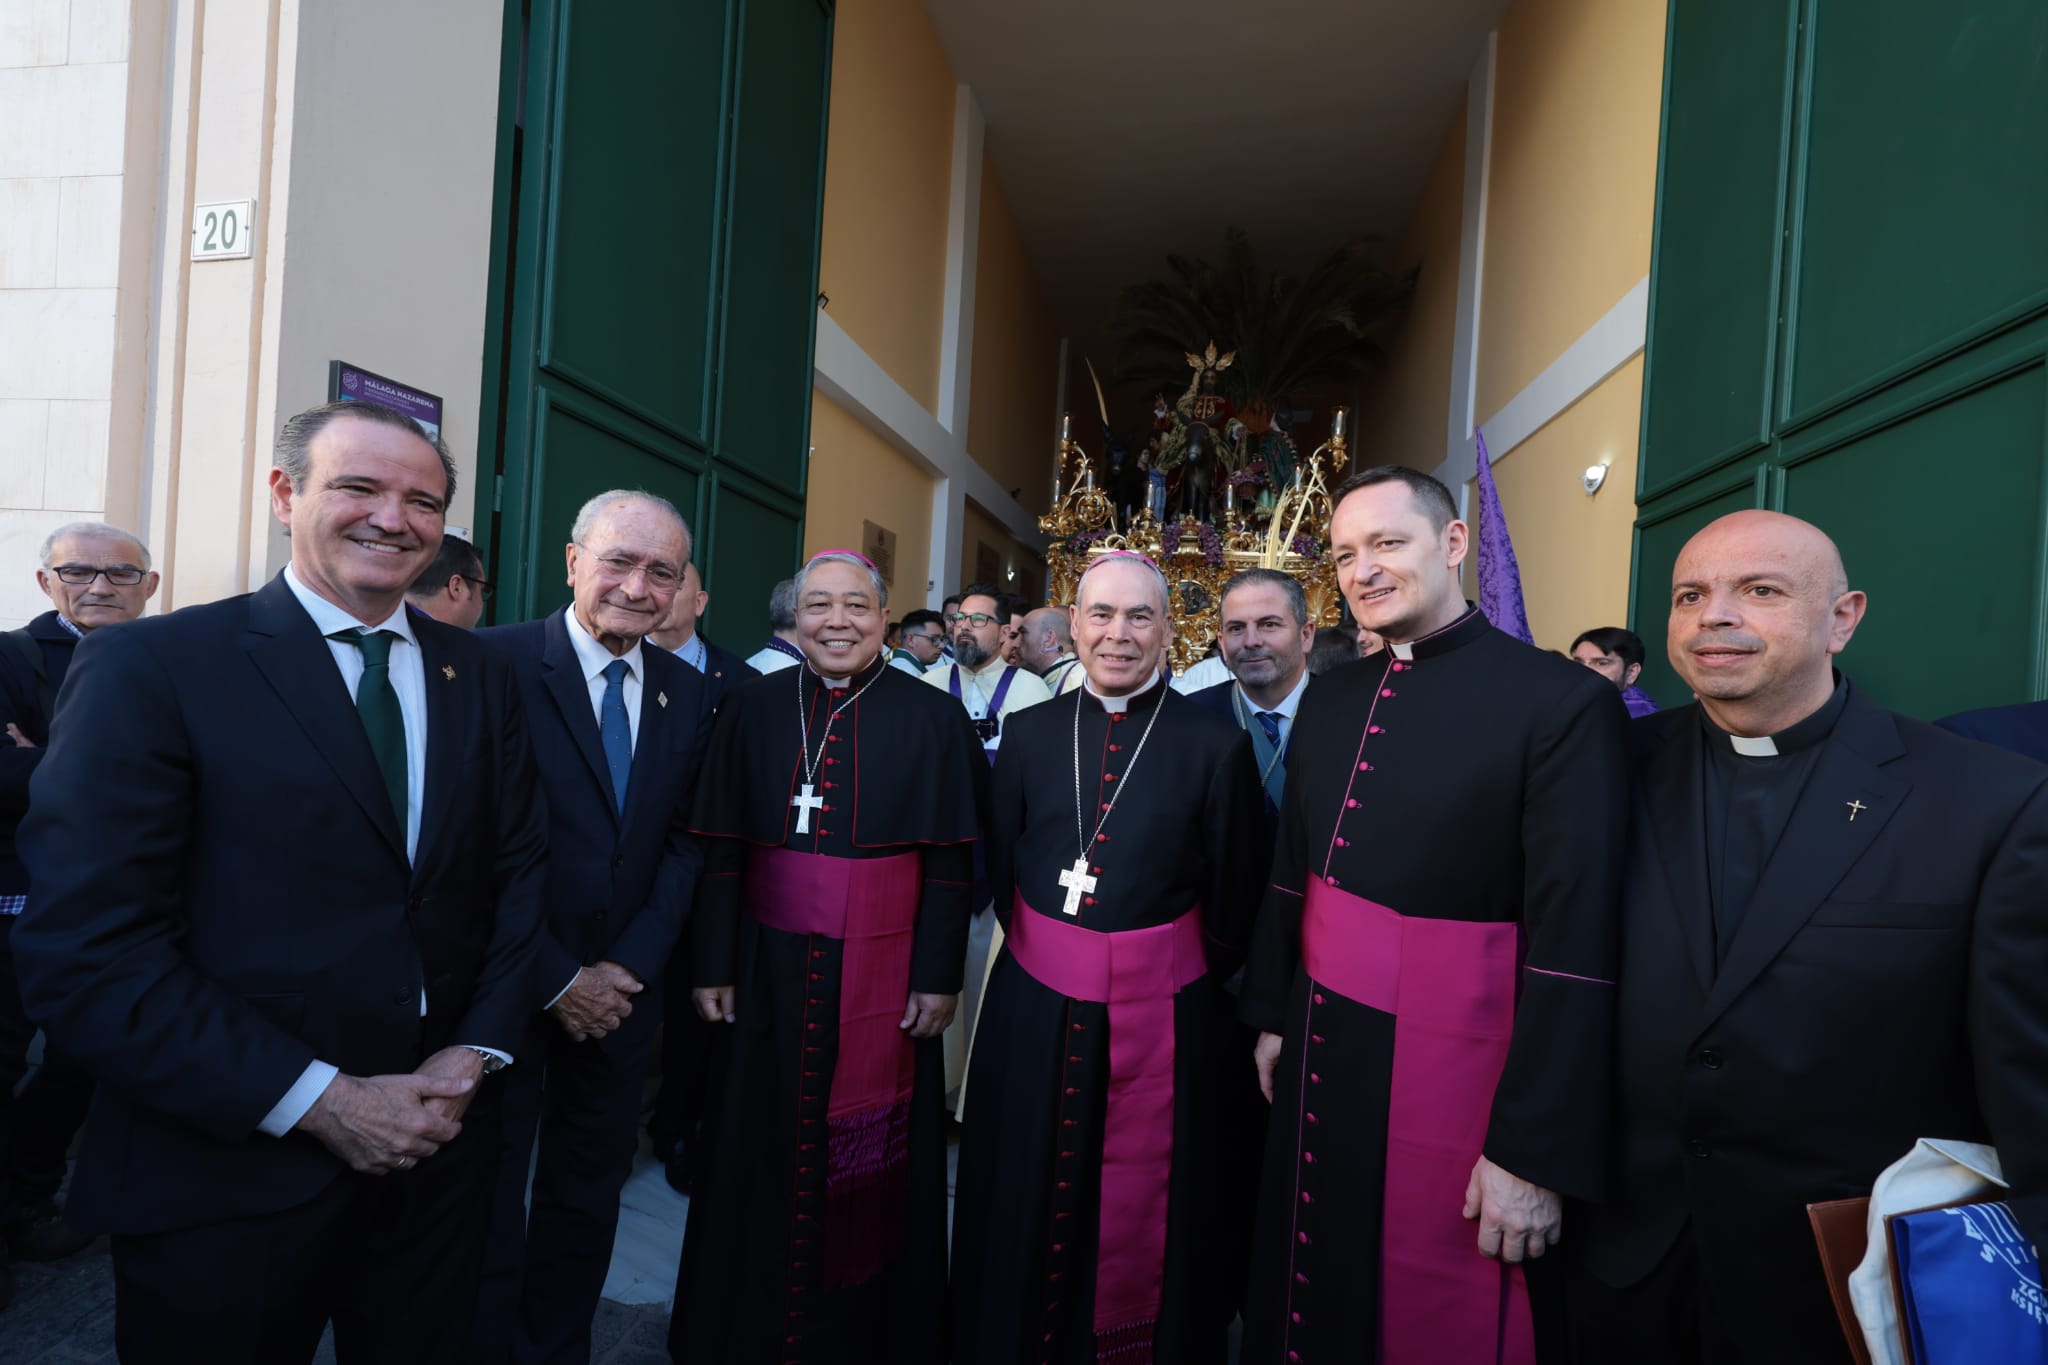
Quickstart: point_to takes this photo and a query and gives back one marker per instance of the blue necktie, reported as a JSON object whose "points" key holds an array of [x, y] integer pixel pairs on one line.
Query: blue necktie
{"points": [[616, 731], [1269, 721]]}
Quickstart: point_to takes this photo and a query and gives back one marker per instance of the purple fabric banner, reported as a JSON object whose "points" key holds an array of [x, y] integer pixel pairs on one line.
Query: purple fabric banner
{"points": [[1500, 577]]}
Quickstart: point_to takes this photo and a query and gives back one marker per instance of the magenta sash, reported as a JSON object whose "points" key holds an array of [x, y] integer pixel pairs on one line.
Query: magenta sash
{"points": [[1137, 973], [870, 904], [1450, 985]]}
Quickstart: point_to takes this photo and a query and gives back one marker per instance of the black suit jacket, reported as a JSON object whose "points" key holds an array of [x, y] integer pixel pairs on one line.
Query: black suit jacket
{"points": [[21, 704], [2023, 728], [1217, 699], [723, 671], [617, 887], [221, 896], [1885, 985]]}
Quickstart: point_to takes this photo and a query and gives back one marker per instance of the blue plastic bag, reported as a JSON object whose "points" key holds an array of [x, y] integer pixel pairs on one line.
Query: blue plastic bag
{"points": [[1970, 1286]]}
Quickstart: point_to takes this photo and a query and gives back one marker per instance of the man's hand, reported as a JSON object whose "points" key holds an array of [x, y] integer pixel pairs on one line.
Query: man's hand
{"points": [[597, 1001], [926, 1016], [1266, 1056], [458, 1063], [1516, 1219], [379, 1124], [719, 1004], [21, 741]]}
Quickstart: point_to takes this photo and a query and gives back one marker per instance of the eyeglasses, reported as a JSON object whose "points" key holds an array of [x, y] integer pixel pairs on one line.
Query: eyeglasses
{"points": [[975, 619], [660, 575], [78, 575], [484, 587], [929, 637]]}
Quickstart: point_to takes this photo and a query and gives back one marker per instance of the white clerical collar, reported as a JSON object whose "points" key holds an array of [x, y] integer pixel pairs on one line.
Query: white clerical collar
{"points": [[593, 656], [1405, 653], [331, 620], [1761, 747], [1288, 704], [1116, 706]]}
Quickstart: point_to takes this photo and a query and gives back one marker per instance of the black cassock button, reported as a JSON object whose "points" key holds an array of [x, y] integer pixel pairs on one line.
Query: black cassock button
{"points": [[1696, 1147], [1711, 1060]]}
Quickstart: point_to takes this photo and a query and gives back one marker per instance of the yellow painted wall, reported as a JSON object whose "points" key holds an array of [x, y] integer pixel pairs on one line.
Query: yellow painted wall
{"points": [[978, 528], [888, 174], [1015, 383], [1402, 408], [1576, 97], [1574, 550], [857, 477]]}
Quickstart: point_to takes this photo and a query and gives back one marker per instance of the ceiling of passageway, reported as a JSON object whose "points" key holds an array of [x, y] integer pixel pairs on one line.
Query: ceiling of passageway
{"points": [[1122, 130]]}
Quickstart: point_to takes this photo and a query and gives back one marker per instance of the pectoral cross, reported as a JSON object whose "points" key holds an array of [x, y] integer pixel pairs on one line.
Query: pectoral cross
{"points": [[805, 804], [1856, 808], [1077, 881]]}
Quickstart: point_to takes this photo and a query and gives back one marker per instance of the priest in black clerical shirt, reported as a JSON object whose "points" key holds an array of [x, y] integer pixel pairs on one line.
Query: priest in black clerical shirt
{"points": [[1832, 948], [1091, 1221], [839, 802]]}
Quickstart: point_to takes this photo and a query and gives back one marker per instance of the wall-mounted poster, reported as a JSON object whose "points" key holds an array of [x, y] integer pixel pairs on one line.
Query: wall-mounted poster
{"points": [[356, 384]]}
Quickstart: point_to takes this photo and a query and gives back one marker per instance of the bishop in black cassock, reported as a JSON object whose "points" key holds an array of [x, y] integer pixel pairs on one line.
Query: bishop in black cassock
{"points": [[1434, 962], [839, 808], [1088, 1223]]}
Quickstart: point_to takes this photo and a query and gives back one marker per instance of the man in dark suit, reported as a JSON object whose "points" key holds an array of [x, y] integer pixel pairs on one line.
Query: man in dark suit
{"points": [[2022, 728], [687, 1040], [618, 729], [94, 575], [1832, 948], [285, 889]]}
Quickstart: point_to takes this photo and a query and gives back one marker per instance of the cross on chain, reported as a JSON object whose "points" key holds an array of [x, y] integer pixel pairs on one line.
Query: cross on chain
{"points": [[1856, 808], [1077, 881], [805, 804]]}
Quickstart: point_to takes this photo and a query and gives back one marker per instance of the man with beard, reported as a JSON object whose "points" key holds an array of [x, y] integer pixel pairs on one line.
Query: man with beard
{"points": [[839, 800], [1834, 948], [978, 678], [1433, 971], [1127, 872]]}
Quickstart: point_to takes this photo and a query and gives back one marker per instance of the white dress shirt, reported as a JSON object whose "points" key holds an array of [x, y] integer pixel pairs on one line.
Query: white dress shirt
{"points": [[595, 658], [1206, 673], [1288, 705], [408, 674]]}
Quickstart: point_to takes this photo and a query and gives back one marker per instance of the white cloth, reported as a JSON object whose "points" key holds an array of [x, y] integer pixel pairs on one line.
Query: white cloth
{"points": [[595, 658], [1207, 673], [976, 690], [1071, 674], [408, 673], [1937, 1171], [1116, 706], [766, 660]]}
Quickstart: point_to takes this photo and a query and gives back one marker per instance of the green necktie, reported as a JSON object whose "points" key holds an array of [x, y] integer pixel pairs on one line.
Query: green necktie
{"points": [[377, 704]]}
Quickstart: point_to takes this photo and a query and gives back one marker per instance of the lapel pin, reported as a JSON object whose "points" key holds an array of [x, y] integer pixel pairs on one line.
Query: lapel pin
{"points": [[661, 698], [448, 672], [1856, 808]]}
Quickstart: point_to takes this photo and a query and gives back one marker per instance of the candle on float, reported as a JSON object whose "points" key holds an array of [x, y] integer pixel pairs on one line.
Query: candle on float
{"points": [[1337, 423]]}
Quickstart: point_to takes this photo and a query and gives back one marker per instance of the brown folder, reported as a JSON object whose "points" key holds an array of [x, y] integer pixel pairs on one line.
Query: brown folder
{"points": [[1841, 1229]]}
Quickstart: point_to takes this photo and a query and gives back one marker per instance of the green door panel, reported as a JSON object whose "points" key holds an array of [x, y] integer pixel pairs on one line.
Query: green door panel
{"points": [[772, 268], [632, 258], [1715, 269], [1943, 558], [1925, 212], [1849, 321], [660, 190]]}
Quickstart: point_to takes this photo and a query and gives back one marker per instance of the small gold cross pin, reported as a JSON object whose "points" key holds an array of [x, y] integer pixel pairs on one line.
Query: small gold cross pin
{"points": [[448, 672], [661, 697], [1856, 808]]}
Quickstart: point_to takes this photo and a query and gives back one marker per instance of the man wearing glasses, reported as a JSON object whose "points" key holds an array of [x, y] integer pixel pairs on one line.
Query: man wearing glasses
{"points": [[453, 589], [95, 575], [978, 678], [924, 638]]}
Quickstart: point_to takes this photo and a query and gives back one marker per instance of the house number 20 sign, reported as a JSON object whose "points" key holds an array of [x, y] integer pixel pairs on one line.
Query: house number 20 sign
{"points": [[224, 231]]}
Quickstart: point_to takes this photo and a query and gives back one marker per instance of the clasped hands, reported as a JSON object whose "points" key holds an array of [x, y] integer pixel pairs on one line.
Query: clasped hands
{"points": [[380, 1124], [924, 1015], [597, 1001], [1517, 1220]]}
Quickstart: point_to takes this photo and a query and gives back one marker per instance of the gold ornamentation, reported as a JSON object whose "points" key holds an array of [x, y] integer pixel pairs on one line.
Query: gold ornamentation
{"points": [[448, 672]]}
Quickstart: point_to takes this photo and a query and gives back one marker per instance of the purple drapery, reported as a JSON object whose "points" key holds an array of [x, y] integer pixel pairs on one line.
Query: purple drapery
{"points": [[1500, 577]]}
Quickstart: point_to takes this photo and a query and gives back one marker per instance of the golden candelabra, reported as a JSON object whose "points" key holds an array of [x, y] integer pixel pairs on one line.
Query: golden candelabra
{"points": [[1083, 527]]}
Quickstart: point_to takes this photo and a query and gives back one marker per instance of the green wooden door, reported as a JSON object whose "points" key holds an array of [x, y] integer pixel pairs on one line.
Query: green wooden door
{"points": [[1849, 322], [660, 192]]}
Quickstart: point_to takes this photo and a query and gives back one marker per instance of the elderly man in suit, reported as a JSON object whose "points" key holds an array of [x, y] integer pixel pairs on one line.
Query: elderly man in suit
{"points": [[1832, 948], [286, 887], [618, 732]]}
